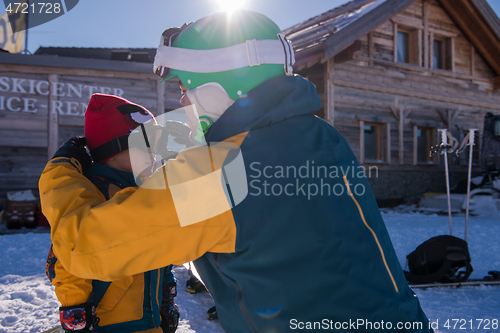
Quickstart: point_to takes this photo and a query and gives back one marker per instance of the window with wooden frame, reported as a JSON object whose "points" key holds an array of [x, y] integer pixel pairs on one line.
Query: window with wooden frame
{"points": [[442, 53], [403, 47], [438, 53], [374, 141], [424, 143], [424, 138], [407, 45]]}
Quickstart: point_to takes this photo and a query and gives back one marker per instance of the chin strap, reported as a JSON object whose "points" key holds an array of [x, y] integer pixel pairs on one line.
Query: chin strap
{"points": [[210, 99]]}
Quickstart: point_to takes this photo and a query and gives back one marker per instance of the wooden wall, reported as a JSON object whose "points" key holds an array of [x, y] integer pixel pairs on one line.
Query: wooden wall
{"points": [[371, 86], [42, 107]]}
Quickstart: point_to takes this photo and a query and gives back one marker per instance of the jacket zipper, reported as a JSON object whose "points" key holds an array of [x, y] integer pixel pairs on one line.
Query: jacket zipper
{"points": [[157, 297], [153, 297], [243, 308], [373, 233]]}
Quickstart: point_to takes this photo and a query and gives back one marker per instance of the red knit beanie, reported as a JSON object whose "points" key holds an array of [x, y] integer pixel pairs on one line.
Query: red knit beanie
{"points": [[108, 117]]}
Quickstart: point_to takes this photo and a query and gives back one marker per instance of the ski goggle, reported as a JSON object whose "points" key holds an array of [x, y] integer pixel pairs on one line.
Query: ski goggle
{"points": [[167, 38], [249, 53]]}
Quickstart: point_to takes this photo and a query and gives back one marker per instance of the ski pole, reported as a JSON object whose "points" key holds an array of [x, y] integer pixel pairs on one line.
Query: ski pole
{"points": [[444, 144], [471, 144]]}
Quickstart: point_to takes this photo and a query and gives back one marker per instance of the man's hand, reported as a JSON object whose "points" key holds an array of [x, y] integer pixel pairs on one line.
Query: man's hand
{"points": [[75, 148]]}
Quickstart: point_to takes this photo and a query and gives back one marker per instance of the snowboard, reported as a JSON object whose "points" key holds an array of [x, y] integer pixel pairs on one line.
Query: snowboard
{"points": [[457, 284], [57, 329]]}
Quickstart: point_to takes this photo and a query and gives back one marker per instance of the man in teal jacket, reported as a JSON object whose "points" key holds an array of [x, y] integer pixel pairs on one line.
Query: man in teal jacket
{"points": [[309, 211]]}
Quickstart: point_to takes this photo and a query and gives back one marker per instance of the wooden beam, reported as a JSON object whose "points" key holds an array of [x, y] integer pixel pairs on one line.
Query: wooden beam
{"points": [[23, 124], [426, 34], [330, 92], [472, 60], [408, 21], [394, 108], [395, 41], [360, 27], [348, 53], [370, 48], [448, 117], [52, 120], [431, 50], [443, 116], [411, 93], [453, 116], [419, 43], [401, 136], [76, 72], [415, 145], [414, 68], [416, 47], [388, 142], [394, 112], [450, 50], [496, 83], [475, 26]]}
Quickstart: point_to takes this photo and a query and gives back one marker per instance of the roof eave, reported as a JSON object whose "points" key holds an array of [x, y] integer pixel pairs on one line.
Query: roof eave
{"points": [[345, 37], [482, 28]]}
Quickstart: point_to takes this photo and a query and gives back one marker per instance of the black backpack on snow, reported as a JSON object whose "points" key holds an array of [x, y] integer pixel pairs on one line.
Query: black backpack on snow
{"points": [[439, 259]]}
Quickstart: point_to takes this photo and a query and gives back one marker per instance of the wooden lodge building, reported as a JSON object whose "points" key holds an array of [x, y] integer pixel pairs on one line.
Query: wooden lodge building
{"points": [[43, 98], [389, 72], [392, 72]]}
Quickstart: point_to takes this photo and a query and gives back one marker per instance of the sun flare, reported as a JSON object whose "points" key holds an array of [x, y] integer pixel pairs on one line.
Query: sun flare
{"points": [[229, 5]]}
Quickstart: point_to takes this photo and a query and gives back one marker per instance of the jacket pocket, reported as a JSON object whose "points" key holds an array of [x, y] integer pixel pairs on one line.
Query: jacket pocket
{"points": [[114, 294]]}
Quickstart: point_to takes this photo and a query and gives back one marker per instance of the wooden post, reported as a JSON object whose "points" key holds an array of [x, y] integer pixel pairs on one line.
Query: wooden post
{"points": [[361, 142], [395, 42], [160, 98], [419, 43], [401, 136], [426, 34], [52, 120], [472, 60], [400, 116], [431, 50], [370, 48], [415, 145], [450, 54], [388, 142], [330, 93]]}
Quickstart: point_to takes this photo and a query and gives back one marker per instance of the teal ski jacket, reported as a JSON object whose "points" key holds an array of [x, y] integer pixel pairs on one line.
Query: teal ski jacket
{"points": [[312, 251]]}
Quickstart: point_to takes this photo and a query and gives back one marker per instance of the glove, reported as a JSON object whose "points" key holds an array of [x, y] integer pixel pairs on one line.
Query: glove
{"points": [[75, 148], [169, 311], [78, 318]]}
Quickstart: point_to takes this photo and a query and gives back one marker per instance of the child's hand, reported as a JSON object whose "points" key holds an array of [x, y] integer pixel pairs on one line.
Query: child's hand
{"points": [[75, 148]]}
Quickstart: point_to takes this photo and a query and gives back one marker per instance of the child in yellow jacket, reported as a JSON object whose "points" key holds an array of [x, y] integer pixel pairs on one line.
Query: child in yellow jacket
{"points": [[139, 303]]}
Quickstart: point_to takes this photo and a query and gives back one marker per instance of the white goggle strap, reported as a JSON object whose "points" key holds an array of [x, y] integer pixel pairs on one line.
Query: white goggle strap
{"points": [[250, 53], [289, 55]]}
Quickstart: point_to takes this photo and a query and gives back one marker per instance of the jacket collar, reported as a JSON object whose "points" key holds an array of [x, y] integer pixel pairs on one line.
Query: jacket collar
{"points": [[272, 102]]}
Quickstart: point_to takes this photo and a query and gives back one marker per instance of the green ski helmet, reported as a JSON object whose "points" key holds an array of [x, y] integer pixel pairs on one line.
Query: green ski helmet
{"points": [[238, 50]]}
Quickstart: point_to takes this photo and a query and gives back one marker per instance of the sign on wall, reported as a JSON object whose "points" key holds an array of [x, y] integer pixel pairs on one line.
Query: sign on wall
{"points": [[30, 95]]}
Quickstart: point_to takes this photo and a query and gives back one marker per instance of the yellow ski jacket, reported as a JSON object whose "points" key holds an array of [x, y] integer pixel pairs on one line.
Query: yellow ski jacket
{"points": [[90, 235]]}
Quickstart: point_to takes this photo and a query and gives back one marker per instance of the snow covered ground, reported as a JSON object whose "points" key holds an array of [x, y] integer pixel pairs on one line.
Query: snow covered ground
{"points": [[28, 303]]}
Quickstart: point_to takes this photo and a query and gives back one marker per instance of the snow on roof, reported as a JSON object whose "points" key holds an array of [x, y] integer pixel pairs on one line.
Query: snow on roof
{"points": [[316, 33]]}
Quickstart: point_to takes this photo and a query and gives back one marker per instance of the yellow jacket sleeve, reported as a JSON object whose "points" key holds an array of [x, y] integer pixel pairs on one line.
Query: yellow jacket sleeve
{"points": [[135, 231], [70, 290]]}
